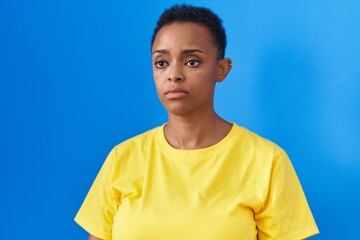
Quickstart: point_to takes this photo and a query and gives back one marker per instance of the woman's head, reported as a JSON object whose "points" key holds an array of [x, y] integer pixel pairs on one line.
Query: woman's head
{"points": [[188, 59], [187, 63], [197, 15]]}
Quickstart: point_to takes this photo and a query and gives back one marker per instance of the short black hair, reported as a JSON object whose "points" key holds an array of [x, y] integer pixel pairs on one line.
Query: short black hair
{"points": [[190, 14]]}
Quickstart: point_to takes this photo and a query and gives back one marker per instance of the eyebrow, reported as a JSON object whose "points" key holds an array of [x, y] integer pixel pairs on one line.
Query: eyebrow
{"points": [[186, 51]]}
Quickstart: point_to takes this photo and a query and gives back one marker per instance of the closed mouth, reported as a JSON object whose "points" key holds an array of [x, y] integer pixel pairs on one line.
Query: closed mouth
{"points": [[176, 91]]}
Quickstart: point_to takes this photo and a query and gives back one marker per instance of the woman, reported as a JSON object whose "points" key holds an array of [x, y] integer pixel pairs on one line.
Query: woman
{"points": [[197, 176]]}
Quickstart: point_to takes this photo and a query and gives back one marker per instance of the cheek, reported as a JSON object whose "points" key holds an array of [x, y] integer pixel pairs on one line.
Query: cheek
{"points": [[158, 74], [206, 79], [157, 82]]}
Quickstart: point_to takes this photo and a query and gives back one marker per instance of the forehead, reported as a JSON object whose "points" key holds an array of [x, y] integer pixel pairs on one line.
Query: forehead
{"points": [[183, 35]]}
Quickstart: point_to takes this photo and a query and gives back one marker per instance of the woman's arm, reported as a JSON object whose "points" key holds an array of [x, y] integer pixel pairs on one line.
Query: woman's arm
{"points": [[91, 237]]}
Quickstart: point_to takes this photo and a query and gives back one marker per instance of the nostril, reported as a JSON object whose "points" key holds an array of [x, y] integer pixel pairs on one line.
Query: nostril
{"points": [[175, 79]]}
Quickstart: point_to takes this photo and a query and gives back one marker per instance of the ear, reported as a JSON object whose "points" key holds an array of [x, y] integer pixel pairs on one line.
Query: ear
{"points": [[224, 67]]}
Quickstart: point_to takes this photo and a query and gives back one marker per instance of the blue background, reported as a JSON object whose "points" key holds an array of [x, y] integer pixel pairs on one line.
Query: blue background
{"points": [[75, 79]]}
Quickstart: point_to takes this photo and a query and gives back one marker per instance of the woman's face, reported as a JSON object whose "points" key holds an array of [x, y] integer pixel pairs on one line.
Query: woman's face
{"points": [[185, 68]]}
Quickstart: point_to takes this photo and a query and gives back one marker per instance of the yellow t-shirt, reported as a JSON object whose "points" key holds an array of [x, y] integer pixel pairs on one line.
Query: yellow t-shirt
{"points": [[243, 187]]}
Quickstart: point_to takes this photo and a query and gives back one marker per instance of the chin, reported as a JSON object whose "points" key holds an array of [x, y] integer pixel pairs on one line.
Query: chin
{"points": [[178, 110]]}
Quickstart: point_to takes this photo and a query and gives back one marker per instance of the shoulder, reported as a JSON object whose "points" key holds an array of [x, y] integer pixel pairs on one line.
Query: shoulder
{"points": [[130, 155], [136, 143], [256, 143], [255, 151]]}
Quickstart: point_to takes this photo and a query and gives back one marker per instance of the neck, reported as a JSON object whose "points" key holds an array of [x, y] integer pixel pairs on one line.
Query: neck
{"points": [[194, 132]]}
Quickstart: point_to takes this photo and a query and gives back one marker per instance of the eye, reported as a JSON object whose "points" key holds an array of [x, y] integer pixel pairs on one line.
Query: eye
{"points": [[160, 64], [193, 63]]}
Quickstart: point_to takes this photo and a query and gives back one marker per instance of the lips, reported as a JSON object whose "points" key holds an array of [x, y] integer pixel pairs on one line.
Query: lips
{"points": [[176, 93]]}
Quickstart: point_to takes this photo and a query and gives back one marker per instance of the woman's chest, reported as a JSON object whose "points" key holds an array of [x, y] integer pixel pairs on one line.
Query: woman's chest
{"points": [[178, 201], [180, 223]]}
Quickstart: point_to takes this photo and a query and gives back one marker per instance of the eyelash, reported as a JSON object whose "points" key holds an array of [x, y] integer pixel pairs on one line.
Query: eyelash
{"points": [[158, 62], [197, 62], [193, 60]]}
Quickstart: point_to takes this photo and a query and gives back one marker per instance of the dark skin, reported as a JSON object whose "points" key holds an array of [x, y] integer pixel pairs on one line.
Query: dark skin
{"points": [[91, 237], [186, 69]]}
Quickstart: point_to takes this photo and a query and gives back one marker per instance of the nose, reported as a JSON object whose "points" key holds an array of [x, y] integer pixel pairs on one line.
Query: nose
{"points": [[175, 74], [174, 78]]}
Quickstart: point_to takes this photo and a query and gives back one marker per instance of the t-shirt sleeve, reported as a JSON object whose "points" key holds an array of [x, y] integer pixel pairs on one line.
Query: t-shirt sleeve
{"points": [[100, 205], [285, 214]]}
